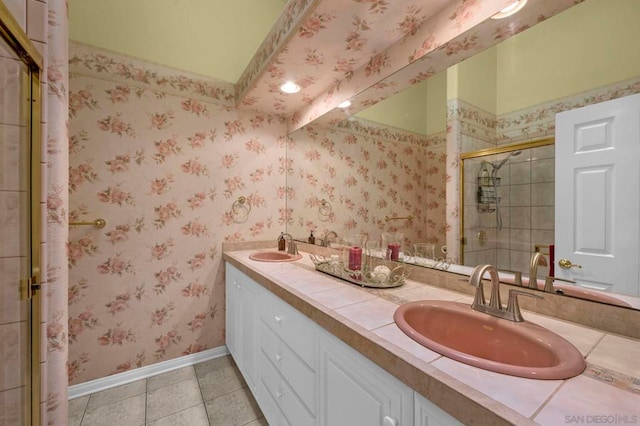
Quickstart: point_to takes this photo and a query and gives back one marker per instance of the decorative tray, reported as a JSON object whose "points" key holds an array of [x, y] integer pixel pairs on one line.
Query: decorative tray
{"points": [[375, 273]]}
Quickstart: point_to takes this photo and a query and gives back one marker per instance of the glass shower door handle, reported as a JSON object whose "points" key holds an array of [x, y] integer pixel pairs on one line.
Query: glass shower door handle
{"points": [[28, 288]]}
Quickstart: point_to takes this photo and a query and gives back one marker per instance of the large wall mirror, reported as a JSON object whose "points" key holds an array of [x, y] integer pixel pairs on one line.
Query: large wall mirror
{"points": [[384, 169]]}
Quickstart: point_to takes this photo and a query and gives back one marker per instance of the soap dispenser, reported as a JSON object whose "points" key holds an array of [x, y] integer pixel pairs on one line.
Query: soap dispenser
{"points": [[312, 239], [281, 242]]}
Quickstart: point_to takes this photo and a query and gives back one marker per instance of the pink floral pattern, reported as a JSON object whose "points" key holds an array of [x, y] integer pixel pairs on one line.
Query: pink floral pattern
{"points": [[366, 172], [87, 61], [161, 131], [445, 36], [146, 288]]}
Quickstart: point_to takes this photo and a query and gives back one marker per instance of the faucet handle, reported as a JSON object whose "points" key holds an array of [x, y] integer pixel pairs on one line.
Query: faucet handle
{"points": [[512, 305], [548, 283], [517, 276]]}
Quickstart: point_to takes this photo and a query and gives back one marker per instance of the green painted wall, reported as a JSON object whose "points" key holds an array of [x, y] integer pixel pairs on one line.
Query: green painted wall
{"points": [[215, 38], [590, 45], [421, 108], [405, 110]]}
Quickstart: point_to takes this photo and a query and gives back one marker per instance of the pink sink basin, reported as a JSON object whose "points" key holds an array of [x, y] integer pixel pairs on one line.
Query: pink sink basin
{"points": [[577, 291], [274, 256], [519, 349]]}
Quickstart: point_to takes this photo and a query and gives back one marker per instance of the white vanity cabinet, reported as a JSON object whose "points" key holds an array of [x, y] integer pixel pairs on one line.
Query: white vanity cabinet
{"points": [[356, 392], [287, 362], [429, 414], [242, 298], [300, 374]]}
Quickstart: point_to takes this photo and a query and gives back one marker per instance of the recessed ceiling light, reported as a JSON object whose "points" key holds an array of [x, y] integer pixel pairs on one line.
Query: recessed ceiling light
{"points": [[345, 104], [290, 87], [513, 8]]}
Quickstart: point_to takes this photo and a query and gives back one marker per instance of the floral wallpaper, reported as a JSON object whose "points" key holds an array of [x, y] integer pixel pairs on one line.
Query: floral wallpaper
{"points": [[366, 172], [356, 30], [164, 171], [540, 120], [55, 230]]}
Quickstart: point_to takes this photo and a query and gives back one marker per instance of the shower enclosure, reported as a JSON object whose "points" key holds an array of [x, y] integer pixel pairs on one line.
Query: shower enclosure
{"points": [[507, 204], [20, 144]]}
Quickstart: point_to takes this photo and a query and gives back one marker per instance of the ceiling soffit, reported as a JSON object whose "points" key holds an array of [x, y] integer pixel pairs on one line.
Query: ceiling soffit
{"points": [[367, 50]]}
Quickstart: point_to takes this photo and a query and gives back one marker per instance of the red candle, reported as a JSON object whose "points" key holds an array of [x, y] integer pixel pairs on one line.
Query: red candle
{"points": [[355, 258], [393, 251]]}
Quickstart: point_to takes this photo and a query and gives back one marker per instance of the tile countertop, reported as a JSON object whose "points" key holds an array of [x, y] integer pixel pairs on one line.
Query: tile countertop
{"points": [[607, 392]]}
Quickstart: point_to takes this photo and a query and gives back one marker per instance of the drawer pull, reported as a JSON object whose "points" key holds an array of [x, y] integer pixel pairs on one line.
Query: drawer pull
{"points": [[278, 318]]}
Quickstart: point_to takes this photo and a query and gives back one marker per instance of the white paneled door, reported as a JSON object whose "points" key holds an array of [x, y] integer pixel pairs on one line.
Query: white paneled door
{"points": [[597, 230]]}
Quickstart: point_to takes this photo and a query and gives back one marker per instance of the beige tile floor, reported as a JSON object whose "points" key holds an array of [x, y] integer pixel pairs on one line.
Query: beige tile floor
{"points": [[210, 393]]}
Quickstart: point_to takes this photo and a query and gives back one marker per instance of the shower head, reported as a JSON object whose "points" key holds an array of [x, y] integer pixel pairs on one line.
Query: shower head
{"points": [[496, 165]]}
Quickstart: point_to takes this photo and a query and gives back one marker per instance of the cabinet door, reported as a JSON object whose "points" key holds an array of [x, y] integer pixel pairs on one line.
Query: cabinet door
{"points": [[429, 414], [232, 289], [354, 391], [247, 319], [241, 321]]}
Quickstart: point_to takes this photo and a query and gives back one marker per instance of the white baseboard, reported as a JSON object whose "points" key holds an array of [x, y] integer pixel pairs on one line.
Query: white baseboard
{"points": [[114, 380]]}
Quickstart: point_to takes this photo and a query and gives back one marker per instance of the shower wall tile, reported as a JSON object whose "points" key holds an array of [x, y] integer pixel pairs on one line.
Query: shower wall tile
{"points": [[36, 20], [10, 75], [13, 355], [520, 217], [9, 157], [18, 9], [520, 173], [520, 240], [542, 217], [487, 220], [11, 407], [10, 311], [520, 195], [504, 261], [542, 152], [543, 194], [503, 237], [519, 260], [543, 170], [504, 193], [10, 215]]}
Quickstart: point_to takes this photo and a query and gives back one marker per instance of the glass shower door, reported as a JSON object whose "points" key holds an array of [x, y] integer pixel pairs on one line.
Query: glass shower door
{"points": [[15, 239]]}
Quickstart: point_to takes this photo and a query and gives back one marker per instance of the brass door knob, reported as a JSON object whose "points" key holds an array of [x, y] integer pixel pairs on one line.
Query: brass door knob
{"points": [[566, 264]]}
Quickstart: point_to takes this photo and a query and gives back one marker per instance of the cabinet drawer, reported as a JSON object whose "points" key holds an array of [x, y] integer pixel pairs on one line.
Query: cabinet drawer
{"points": [[291, 406], [296, 372], [290, 325], [268, 406]]}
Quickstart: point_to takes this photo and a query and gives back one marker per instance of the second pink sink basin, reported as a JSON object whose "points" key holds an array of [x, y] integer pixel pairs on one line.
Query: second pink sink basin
{"points": [[519, 349], [274, 256]]}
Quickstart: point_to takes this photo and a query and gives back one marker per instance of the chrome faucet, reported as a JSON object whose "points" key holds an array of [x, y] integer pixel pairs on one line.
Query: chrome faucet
{"points": [[494, 308], [325, 239], [291, 245], [536, 259]]}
